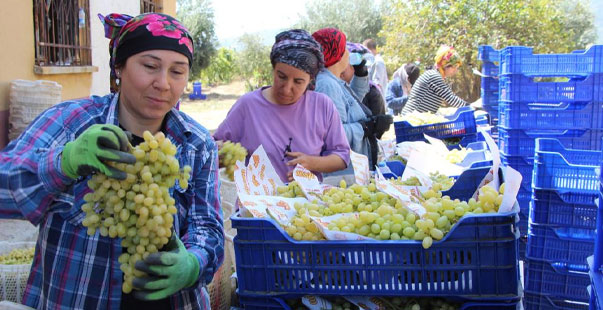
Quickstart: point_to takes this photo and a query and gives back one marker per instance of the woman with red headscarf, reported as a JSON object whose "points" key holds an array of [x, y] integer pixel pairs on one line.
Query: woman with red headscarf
{"points": [[358, 123]]}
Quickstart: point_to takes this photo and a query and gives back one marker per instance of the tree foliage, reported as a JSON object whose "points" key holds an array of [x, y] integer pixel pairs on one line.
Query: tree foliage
{"points": [[254, 62], [198, 17], [222, 67], [414, 29], [358, 19]]}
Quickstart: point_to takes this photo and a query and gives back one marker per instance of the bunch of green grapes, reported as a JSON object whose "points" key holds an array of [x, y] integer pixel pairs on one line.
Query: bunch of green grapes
{"points": [[292, 190], [301, 226], [456, 156], [229, 154], [389, 223], [444, 181], [411, 303], [440, 182], [340, 303], [138, 209], [17, 257], [423, 118]]}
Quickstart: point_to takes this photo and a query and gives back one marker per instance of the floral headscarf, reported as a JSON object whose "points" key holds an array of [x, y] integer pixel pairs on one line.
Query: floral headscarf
{"points": [[445, 56], [132, 35], [297, 48], [333, 44]]}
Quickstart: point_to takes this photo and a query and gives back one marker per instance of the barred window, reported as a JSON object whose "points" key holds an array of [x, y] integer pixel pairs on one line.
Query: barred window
{"points": [[62, 32], [149, 6]]}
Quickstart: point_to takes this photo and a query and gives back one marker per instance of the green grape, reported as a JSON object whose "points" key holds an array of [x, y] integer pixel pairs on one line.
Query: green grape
{"points": [[139, 210], [18, 257], [229, 154]]}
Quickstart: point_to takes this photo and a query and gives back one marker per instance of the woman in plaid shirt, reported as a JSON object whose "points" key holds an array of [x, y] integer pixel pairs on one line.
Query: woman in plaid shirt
{"points": [[43, 177]]}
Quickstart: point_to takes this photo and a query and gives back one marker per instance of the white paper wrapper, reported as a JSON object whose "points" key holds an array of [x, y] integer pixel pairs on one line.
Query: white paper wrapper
{"points": [[279, 208], [387, 148], [491, 178], [316, 303], [408, 195], [437, 144], [309, 183], [259, 177], [512, 185], [361, 168], [427, 163]]}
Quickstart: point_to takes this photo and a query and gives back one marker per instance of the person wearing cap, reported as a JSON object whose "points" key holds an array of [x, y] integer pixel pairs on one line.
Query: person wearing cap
{"points": [[357, 123], [295, 125], [430, 92], [44, 174], [399, 87], [372, 103]]}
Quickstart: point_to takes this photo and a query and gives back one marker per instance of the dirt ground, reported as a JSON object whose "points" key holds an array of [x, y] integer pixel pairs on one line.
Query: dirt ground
{"points": [[212, 111]]}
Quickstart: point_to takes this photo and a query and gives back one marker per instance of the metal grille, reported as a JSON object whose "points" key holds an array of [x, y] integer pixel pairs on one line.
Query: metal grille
{"points": [[148, 6], [61, 40]]}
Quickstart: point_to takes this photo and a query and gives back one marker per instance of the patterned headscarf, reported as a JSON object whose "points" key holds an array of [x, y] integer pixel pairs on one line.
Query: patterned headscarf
{"points": [[152, 31], [446, 55], [297, 48], [357, 48], [333, 44]]}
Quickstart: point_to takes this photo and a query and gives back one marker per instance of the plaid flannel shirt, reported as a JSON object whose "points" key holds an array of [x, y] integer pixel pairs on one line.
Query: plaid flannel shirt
{"points": [[72, 270]]}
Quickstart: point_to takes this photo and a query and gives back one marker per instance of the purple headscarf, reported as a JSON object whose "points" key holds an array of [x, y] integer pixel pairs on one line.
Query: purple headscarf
{"points": [[297, 48]]}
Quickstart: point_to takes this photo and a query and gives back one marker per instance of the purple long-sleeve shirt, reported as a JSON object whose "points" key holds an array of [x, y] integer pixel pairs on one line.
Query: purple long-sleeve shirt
{"points": [[312, 123]]}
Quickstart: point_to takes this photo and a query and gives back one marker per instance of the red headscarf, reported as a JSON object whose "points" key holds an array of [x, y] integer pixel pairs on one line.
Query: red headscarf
{"points": [[333, 44]]}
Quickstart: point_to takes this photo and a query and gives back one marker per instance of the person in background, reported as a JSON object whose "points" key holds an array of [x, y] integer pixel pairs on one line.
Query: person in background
{"points": [[377, 70], [293, 124], [44, 175], [430, 92], [373, 101], [347, 98], [399, 87]]}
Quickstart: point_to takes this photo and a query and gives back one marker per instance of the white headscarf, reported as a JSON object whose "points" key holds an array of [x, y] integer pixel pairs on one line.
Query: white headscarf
{"points": [[403, 77]]}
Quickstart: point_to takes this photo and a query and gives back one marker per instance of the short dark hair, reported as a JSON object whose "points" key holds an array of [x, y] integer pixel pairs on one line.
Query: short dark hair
{"points": [[370, 43], [412, 71]]}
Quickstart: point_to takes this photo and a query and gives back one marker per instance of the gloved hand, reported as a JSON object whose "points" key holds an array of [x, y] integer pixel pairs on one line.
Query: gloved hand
{"points": [[167, 271], [360, 69], [368, 126], [382, 123], [100, 142]]}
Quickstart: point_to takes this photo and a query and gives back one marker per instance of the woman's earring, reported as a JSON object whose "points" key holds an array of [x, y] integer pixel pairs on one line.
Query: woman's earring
{"points": [[118, 74], [117, 81]]}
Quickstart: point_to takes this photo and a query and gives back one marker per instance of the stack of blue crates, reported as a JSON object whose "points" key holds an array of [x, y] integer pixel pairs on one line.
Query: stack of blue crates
{"points": [[489, 84], [595, 262], [533, 103], [563, 218]]}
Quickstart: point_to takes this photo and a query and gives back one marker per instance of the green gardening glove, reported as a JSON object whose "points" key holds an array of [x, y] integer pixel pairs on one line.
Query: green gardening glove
{"points": [[167, 272], [96, 145]]}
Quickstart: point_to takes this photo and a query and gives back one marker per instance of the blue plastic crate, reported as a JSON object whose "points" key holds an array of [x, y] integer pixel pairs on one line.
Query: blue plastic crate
{"points": [[524, 215], [552, 208], [489, 100], [518, 88], [521, 60], [523, 165], [265, 302], [566, 170], [596, 280], [490, 69], [521, 142], [579, 115], [538, 301], [598, 255], [460, 125], [477, 259], [489, 84], [488, 53], [556, 280], [562, 245]]}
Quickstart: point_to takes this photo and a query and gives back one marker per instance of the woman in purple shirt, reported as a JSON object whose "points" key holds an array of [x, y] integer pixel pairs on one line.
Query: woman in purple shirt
{"points": [[293, 124]]}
